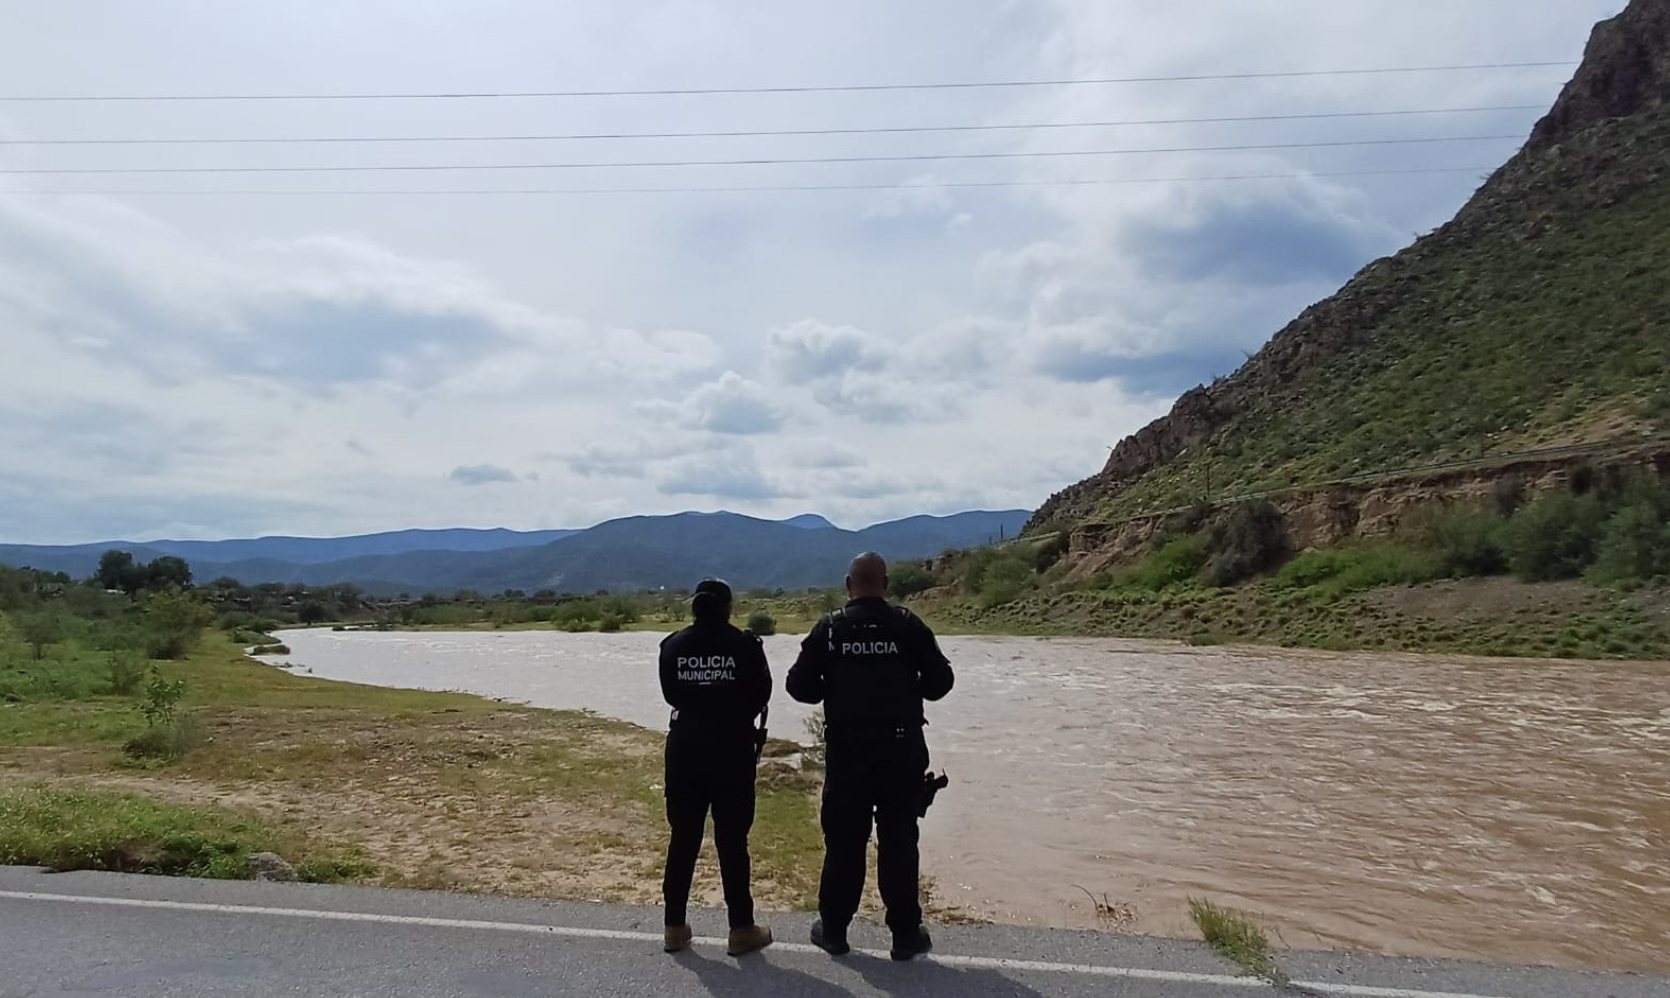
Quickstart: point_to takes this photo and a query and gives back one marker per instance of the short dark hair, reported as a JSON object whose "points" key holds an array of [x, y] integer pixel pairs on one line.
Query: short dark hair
{"points": [[712, 600]]}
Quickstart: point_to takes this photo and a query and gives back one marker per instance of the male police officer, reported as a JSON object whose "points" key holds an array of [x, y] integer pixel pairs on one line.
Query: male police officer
{"points": [[717, 680], [872, 665]]}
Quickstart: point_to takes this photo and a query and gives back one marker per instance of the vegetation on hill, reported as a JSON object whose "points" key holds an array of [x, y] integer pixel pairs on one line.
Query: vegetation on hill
{"points": [[1600, 555]]}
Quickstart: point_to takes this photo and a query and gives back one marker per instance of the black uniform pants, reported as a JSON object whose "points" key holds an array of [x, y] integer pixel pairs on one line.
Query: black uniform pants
{"points": [[709, 773], [872, 776]]}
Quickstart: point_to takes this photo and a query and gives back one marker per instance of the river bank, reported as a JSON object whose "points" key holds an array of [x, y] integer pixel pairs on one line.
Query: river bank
{"points": [[390, 786], [1487, 616]]}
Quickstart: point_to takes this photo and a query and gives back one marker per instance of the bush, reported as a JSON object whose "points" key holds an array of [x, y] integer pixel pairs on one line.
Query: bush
{"points": [[610, 623], [1556, 537], [577, 615], [38, 629], [762, 623], [276, 648], [175, 620], [126, 671], [1005, 580], [1634, 547], [169, 741], [909, 578], [1466, 542], [1178, 562], [1254, 540], [814, 755], [1338, 571]]}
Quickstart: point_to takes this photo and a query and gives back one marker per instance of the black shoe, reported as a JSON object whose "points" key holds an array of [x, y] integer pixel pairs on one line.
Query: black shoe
{"points": [[911, 943], [830, 940]]}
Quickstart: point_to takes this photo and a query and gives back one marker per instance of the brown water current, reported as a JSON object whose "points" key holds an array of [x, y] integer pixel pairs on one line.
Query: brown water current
{"points": [[1508, 810]]}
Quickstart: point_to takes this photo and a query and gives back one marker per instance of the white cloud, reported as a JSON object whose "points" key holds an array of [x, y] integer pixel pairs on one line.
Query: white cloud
{"points": [[865, 354], [732, 405]]}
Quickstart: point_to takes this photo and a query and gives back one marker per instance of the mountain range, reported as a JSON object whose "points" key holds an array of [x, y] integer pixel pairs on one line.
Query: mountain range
{"points": [[639, 552]]}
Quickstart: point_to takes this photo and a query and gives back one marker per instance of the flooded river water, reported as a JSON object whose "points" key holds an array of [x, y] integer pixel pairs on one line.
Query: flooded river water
{"points": [[1506, 810]]}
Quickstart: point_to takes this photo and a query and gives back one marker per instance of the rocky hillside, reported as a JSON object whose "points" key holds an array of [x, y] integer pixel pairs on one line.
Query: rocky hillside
{"points": [[1539, 316]]}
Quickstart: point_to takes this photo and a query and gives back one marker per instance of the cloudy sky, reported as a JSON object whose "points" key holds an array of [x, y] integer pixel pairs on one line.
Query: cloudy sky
{"points": [[215, 354]]}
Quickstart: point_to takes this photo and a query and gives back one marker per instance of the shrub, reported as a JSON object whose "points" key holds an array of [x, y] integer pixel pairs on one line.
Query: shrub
{"points": [[1635, 546], [1466, 542], [1178, 562], [1556, 537], [1338, 571], [762, 623], [577, 615], [169, 741], [609, 623], [814, 755], [1005, 580], [1254, 540], [175, 620], [908, 578], [125, 672], [39, 629]]}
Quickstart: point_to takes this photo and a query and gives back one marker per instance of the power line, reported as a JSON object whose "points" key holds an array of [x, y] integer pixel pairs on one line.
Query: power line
{"points": [[754, 162], [843, 88], [761, 133], [776, 188]]}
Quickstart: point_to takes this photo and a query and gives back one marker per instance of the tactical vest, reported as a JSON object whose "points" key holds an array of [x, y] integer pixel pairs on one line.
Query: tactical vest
{"points": [[870, 677]]}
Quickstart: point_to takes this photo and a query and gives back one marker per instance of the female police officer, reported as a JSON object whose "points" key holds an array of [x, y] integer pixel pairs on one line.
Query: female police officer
{"points": [[717, 680]]}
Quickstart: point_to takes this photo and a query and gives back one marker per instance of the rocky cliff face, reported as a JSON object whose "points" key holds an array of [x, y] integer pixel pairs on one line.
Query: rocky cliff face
{"points": [[1580, 149], [1625, 72], [1325, 516]]}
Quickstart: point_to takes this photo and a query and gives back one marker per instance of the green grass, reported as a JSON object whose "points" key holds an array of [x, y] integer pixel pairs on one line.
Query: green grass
{"points": [[73, 830], [1234, 936], [1335, 572]]}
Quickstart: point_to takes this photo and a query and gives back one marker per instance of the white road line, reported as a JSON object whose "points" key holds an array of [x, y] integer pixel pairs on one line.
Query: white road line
{"points": [[625, 935]]}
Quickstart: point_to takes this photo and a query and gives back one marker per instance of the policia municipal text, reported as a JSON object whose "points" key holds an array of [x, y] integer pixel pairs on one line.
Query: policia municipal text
{"points": [[717, 680]]}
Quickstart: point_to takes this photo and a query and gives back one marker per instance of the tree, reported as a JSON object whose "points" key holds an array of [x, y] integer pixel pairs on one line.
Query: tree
{"points": [[17, 586], [311, 612], [167, 572], [176, 620], [117, 571], [39, 629]]}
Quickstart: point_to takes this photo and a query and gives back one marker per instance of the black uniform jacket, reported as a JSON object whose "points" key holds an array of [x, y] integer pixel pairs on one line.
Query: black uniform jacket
{"points": [[715, 677], [871, 665]]}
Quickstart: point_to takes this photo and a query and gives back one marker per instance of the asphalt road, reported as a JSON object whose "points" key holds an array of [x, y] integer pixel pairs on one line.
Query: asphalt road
{"points": [[113, 935]]}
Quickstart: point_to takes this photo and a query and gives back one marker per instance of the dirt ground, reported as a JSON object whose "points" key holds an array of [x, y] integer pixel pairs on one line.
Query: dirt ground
{"points": [[508, 802]]}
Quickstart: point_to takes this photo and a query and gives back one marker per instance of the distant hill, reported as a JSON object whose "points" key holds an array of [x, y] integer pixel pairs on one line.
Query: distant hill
{"points": [[263, 554], [641, 552], [1538, 317]]}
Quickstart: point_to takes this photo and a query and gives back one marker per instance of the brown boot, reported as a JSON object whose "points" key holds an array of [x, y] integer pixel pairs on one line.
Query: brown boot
{"points": [[675, 938], [742, 941]]}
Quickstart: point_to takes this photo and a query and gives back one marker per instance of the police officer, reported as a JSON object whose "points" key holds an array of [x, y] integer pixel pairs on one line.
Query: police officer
{"points": [[871, 665], [717, 680]]}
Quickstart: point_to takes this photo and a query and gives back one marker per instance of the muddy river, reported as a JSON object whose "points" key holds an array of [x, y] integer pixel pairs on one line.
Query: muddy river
{"points": [[1507, 810]]}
